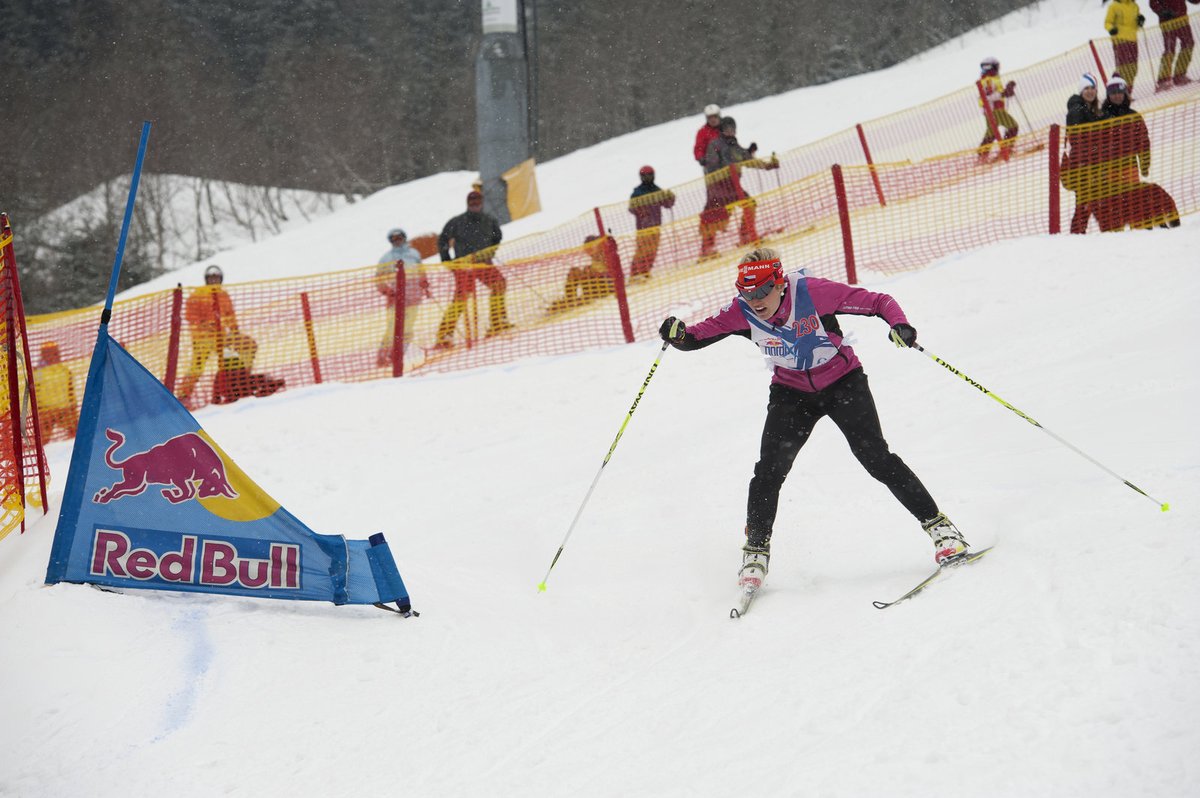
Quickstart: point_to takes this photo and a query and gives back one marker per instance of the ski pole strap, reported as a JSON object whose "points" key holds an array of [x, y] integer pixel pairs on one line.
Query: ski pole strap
{"points": [[1164, 506], [542, 585]]}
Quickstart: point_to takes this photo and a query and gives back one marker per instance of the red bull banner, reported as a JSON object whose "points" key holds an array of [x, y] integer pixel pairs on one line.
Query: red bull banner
{"points": [[153, 502]]}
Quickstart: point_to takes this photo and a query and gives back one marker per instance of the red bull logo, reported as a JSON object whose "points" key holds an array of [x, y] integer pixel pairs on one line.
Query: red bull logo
{"points": [[186, 464], [207, 562]]}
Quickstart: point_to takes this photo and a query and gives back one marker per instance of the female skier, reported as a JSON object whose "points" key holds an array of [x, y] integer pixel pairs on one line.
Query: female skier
{"points": [[792, 320]]}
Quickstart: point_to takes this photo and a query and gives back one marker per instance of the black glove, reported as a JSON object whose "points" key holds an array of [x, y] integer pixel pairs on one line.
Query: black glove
{"points": [[753, 148], [672, 330], [1112, 31], [1141, 20], [903, 335]]}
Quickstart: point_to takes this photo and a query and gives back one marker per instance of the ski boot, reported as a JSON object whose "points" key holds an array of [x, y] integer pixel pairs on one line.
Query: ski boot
{"points": [[949, 546], [753, 572]]}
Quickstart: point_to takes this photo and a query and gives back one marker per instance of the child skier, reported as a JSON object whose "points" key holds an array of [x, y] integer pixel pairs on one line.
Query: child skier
{"points": [[792, 320], [995, 92]]}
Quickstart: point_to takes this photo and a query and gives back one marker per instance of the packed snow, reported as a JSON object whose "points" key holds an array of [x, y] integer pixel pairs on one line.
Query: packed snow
{"points": [[1066, 663]]}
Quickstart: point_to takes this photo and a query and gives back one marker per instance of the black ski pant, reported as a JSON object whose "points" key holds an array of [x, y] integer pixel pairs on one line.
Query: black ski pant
{"points": [[791, 416]]}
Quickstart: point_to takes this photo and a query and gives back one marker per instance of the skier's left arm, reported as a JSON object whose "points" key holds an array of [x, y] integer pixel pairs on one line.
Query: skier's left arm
{"points": [[834, 297]]}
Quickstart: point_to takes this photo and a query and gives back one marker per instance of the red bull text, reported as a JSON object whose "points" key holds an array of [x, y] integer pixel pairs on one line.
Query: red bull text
{"points": [[207, 562]]}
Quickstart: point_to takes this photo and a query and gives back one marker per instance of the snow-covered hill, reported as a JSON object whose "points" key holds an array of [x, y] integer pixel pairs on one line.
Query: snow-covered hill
{"points": [[1065, 664], [573, 184]]}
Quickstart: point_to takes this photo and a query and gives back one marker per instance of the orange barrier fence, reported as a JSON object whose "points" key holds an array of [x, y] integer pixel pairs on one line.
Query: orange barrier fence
{"points": [[598, 280]]}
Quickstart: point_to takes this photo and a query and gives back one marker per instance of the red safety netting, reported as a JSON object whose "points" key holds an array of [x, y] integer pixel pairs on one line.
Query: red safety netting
{"points": [[599, 280]]}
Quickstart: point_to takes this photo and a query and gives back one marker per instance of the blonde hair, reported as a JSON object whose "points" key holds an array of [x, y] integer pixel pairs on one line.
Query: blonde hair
{"points": [[762, 253]]}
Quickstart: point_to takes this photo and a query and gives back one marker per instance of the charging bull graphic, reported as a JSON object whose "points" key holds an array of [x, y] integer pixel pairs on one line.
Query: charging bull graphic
{"points": [[186, 463]]}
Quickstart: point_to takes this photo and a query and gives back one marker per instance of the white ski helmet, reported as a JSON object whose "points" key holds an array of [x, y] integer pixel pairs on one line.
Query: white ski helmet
{"points": [[397, 232], [712, 109], [214, 271]]}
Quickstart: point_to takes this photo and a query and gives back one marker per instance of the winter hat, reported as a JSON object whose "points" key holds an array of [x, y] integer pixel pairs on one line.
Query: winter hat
{"points": [[474, 196], [728, 122], [396, 232], [646, 170], [1087, 81], [759, 276], [1117, 83]]}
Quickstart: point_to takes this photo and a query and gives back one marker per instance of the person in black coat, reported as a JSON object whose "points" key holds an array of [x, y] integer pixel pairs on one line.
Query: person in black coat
{"points": [[475, 236], [1080, 171], [1125, 152]]}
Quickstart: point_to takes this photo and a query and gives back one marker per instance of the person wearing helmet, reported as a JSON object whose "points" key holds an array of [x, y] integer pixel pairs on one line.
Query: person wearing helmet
{"points": [[401, 255], [54, 386], [710, 130], [214, 330], [792, 318], [1125, 154], [646, 203], [993, 92], [725, 190], [1122, 22]]}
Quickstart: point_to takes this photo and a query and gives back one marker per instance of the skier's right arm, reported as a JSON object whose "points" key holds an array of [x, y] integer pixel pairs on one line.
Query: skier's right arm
{"points": [[676, 333], [729, 321]]}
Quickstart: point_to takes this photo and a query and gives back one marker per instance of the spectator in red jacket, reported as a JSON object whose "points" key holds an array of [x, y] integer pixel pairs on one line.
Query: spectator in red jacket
{"points": [[1176, 31], [711, 130]]}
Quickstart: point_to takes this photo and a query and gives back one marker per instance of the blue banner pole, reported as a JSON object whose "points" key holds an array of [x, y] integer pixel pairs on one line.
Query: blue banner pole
{"points": [[133, 187]]}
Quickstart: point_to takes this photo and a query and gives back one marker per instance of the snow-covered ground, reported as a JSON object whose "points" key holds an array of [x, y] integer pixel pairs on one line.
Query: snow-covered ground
{"points": [[1067, 663], [573, 184]]}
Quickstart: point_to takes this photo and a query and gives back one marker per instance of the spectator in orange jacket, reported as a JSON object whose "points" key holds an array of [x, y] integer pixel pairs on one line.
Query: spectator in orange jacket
{"points": [[214, 330], [1176, 32]]}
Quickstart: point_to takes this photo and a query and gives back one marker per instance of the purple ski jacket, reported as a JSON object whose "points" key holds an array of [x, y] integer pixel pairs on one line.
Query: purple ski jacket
{"points": [[830, 298]]}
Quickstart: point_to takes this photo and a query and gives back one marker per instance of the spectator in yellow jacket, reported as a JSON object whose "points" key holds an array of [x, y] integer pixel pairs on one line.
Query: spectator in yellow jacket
{"points": [[994, 93], [55, 387], [1122, 22]]}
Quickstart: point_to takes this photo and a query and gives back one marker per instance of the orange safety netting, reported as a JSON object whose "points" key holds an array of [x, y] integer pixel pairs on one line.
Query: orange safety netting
{"points": [[598, 280], [23, 473]]}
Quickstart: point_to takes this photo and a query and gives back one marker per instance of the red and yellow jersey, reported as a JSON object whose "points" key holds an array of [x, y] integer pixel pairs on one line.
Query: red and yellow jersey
{"points": [[993, 90]]}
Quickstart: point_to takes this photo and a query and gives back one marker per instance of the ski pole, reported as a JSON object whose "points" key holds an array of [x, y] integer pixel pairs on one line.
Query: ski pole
{"points": [[1162, 505], [542, 585]]}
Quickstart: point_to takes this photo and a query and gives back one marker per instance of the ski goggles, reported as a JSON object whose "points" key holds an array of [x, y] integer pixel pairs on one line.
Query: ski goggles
{"points": [[758, 292]]}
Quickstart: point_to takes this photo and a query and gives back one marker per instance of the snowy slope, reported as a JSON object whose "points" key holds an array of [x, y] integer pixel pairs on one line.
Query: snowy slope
{"points": [[573, 184], [1066, 664]]}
